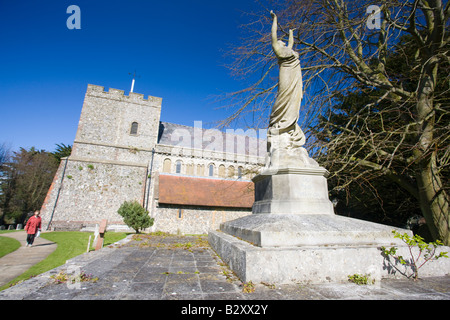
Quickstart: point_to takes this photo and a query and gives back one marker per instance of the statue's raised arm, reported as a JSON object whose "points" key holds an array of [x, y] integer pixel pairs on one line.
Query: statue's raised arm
{"points": [[291, 39], [278, 46], [274, 29]]}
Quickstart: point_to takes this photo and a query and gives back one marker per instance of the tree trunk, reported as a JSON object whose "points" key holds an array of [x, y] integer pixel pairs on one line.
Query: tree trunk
{"points": [[433, 199]]}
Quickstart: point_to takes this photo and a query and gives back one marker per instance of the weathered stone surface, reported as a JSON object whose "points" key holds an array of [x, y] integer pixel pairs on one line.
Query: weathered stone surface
{"points": [[193, 219], [139, 270], [313, 264], [106, 119], [287, 230], [92, 191], [292, 190]]}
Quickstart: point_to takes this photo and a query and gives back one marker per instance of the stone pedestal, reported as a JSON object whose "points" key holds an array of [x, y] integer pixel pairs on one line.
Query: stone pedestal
{"points": [[317, 263], [292, 191], [294, 236]]}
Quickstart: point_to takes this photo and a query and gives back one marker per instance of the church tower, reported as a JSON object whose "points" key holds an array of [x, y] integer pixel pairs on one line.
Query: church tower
{"points": [[110, 160]]}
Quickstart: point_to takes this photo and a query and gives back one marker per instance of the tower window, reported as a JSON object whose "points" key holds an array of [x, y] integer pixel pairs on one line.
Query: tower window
{"points": [[211, 170], [134, 128]]}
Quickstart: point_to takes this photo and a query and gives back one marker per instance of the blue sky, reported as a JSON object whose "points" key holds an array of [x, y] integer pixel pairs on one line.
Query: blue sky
{"points": [[176, 47]]}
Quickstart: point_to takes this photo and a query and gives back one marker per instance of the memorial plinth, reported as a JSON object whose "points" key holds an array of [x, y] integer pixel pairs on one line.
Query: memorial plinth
{"points": [[294, 236], [292, 190]]}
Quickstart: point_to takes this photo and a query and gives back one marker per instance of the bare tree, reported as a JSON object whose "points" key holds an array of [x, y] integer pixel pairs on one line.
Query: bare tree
{"points": [[4, 158], [344, 48], [4, 154]]}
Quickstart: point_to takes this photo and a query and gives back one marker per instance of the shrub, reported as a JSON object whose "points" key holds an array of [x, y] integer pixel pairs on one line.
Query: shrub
{"points": [[427, 252], [135, 216]]}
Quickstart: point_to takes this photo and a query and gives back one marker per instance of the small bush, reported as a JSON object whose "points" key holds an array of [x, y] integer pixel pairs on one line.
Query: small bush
{"points": [[135, 216], [427, 252]]}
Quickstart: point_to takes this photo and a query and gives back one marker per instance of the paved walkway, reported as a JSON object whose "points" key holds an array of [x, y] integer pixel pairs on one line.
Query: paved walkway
{"points": [[14, 264], [185, 268]]}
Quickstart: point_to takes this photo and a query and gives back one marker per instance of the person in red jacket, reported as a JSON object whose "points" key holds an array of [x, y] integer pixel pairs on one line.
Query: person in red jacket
{"points": [[32, 227]]}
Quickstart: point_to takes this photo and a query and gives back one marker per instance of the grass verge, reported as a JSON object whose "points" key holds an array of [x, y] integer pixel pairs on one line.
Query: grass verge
{"points": [[8, 245]]}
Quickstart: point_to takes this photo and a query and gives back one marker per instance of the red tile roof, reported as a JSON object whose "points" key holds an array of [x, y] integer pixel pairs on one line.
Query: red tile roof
{"points": [[205, 192]]}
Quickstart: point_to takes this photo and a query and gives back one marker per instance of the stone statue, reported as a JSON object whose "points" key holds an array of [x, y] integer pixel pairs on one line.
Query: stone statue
{"points": [[285, 138]]}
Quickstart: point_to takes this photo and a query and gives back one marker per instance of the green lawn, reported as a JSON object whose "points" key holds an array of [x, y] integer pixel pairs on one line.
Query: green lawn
{"points": [[8, 245], [70, 245]]}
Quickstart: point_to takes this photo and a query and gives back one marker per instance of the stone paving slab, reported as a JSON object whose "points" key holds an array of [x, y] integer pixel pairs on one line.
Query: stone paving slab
{"points": [[186, 268]]}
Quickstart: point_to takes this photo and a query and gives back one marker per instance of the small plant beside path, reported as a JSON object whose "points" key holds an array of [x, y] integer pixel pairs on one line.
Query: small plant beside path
{"points": [[184, 242], [63, 277], [427, 252], [361, 279]]}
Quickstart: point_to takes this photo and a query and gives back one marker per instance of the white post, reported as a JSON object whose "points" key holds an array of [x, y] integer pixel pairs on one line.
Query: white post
{"points": [[96, 233], [89, 244], [132, 86]]}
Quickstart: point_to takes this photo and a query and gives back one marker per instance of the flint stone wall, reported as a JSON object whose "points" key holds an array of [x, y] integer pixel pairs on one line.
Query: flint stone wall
{"points": [[92, 191], [106, 118], [193, 220]]}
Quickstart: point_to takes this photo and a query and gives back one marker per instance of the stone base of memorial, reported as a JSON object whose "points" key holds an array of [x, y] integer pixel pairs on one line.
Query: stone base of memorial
{"points": [[294, 236]]}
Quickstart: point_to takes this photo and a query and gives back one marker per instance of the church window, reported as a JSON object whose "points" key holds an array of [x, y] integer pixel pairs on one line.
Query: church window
{"points": [[178, 167], [166, 166], [222, 171], [239, 172], [211, 170], [230, 172], [190, 169], [200, 170], [134, 128]]}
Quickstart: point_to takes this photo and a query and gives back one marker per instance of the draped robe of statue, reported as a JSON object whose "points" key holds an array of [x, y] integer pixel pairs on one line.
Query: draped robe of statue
{"points": [[285, 111]]}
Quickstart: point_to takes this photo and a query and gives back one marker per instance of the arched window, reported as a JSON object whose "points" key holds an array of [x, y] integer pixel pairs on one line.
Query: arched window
{"points": [[200, 170], [222, 171], [134, 128], [166, 166], [178, 166], [190, 169], [240, 172], [211, 170], [230, 172]]}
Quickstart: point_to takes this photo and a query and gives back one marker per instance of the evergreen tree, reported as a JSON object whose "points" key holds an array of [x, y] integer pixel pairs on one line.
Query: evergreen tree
{"points": [[135, 216], [25, 182]]}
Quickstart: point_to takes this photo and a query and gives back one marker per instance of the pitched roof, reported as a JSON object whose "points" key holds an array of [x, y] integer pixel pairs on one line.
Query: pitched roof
{"points": [[208, 192], [212, 139]]}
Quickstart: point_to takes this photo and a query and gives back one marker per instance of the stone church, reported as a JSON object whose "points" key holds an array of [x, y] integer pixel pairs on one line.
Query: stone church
{"points": [[190, 179]]}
